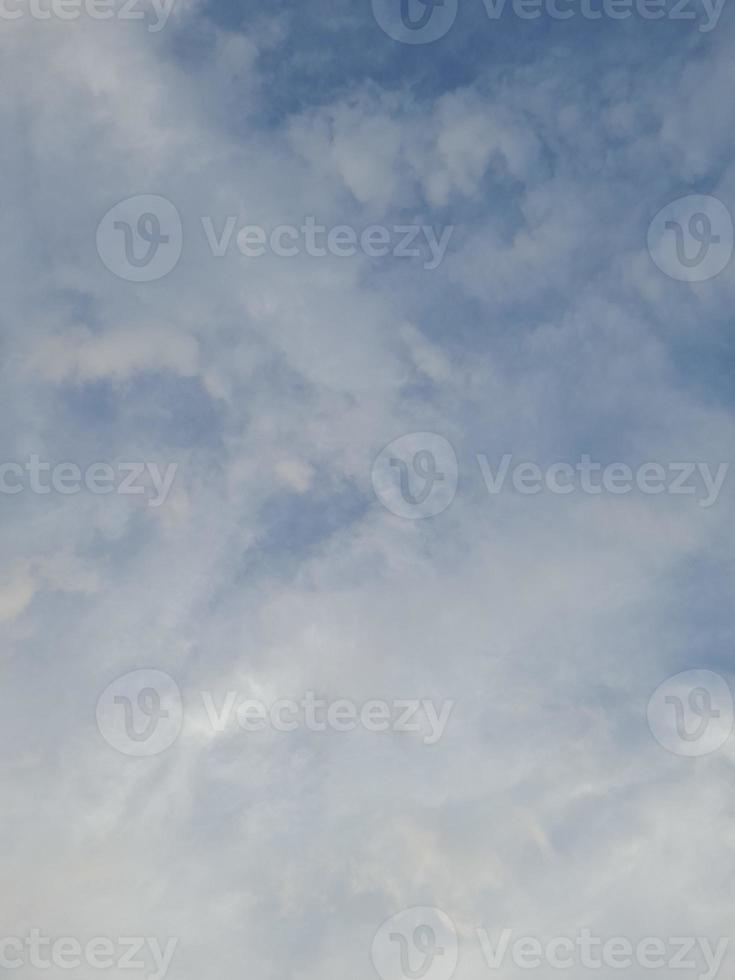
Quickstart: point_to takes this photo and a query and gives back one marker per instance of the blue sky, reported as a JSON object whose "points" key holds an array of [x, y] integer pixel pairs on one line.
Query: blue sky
{"points": [[274, 567]]}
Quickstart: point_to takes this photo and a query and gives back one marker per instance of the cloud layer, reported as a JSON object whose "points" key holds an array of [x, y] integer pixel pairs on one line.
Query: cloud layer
{"points": [[273, 569]]}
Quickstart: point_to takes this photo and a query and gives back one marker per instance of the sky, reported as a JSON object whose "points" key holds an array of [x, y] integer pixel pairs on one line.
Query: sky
{"points": [[365, 362]]}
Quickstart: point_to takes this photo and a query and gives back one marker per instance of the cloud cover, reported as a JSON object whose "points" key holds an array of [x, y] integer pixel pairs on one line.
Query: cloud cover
{"points": [[274, 383]]}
